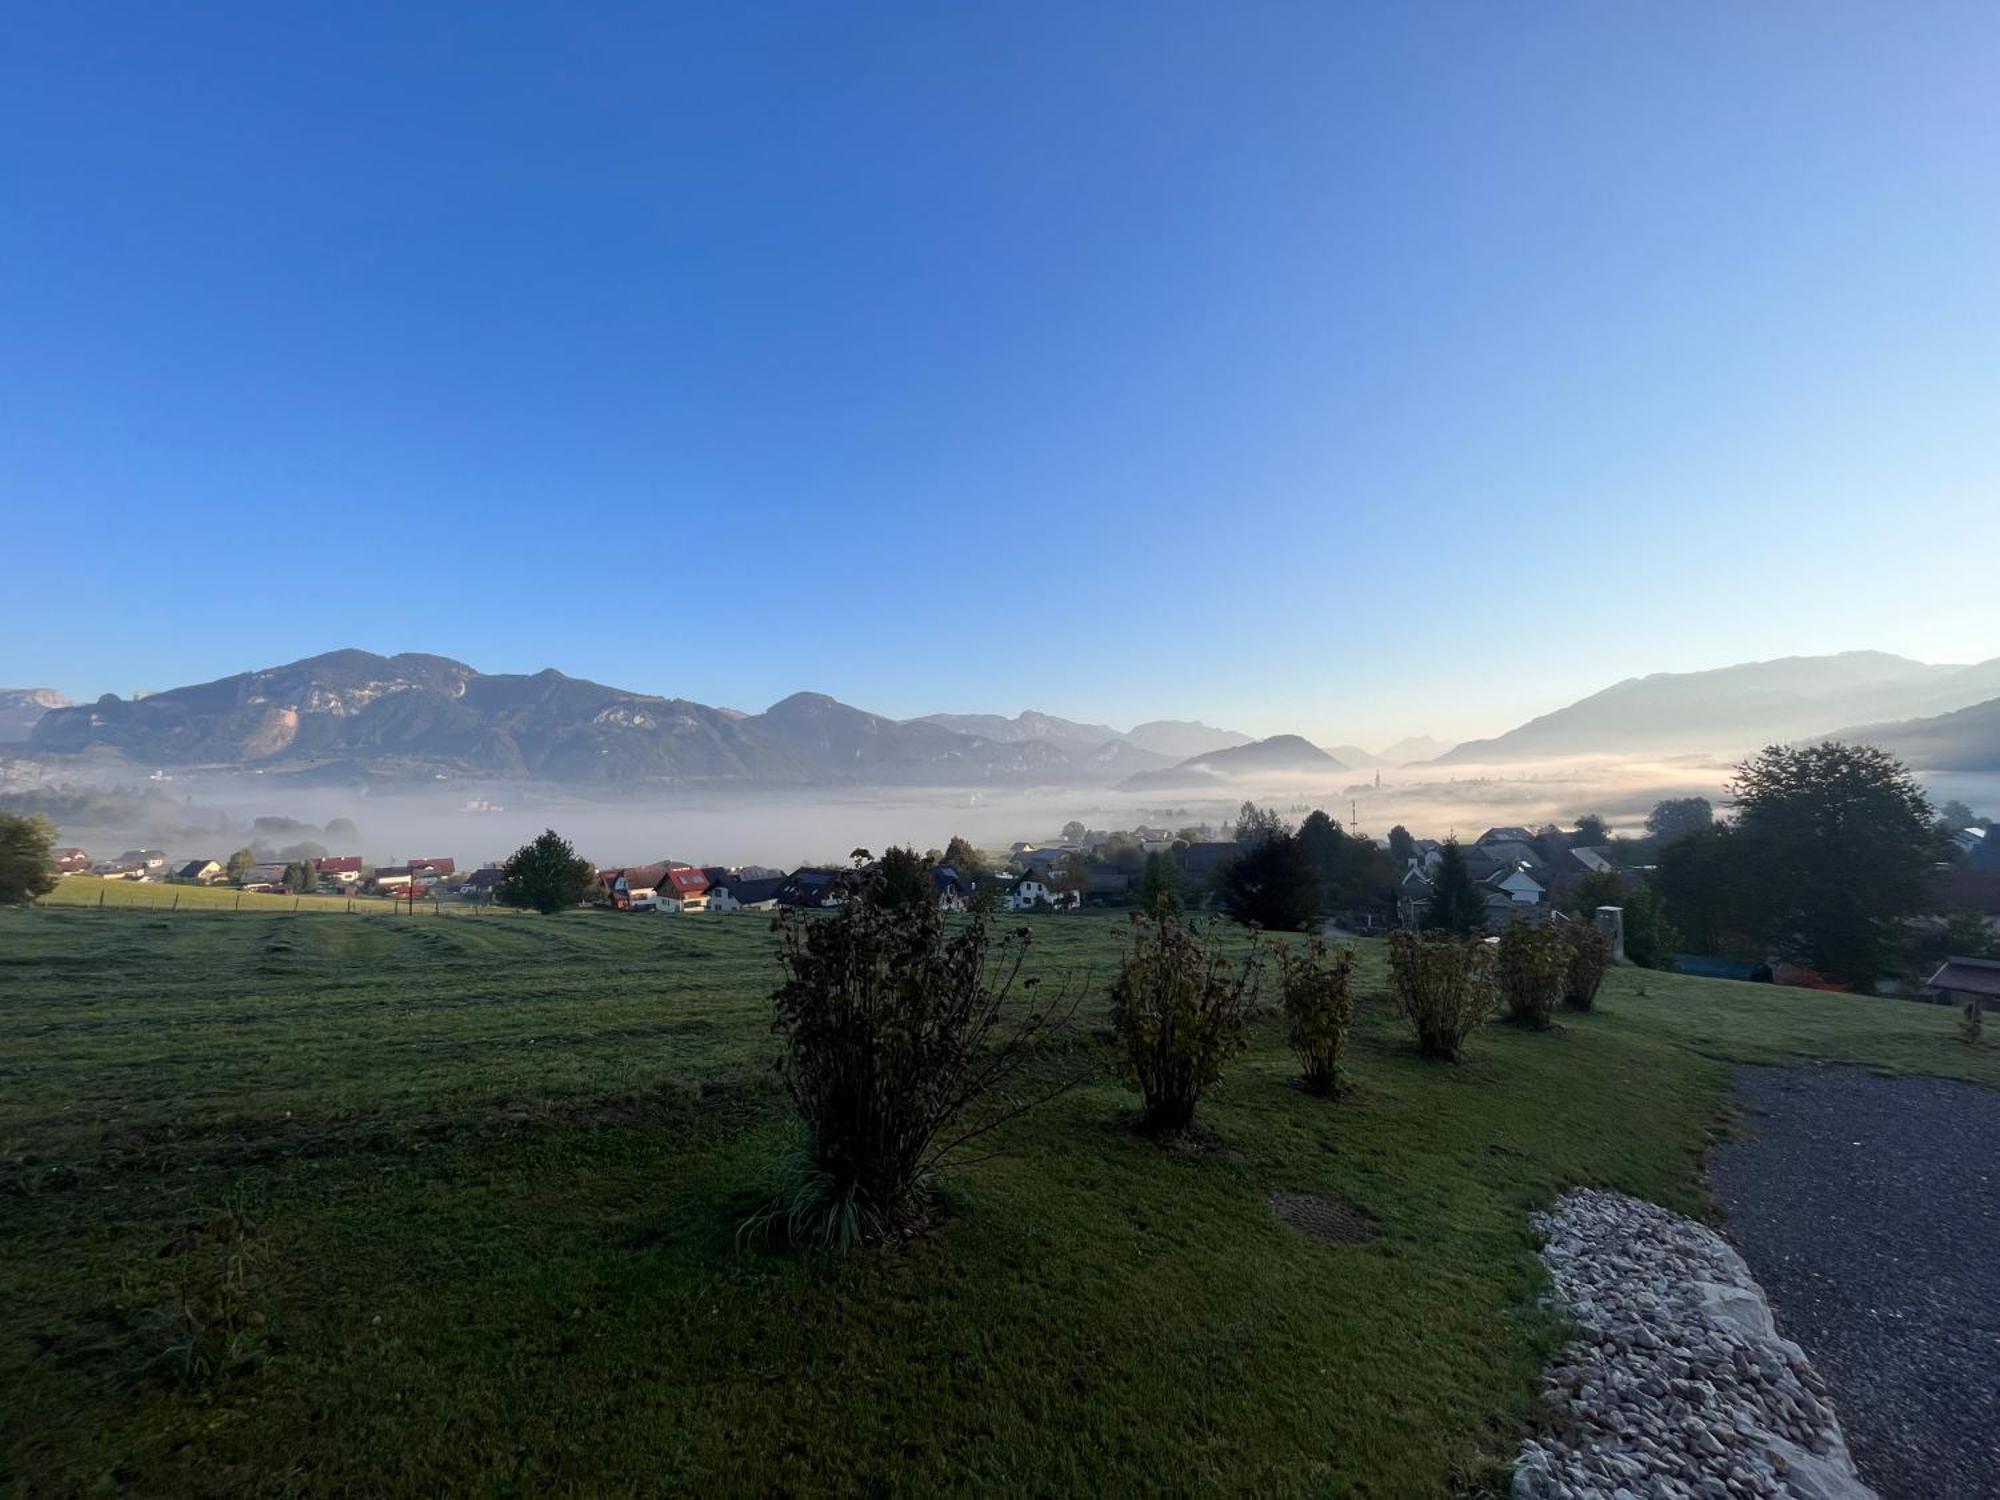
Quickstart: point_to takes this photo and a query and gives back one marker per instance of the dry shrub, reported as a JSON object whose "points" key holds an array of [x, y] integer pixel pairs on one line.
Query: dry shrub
{"points": [[1443, 987], [1317, 985], [1589, 954], [903, 1040], [1533, 968], [1971, 1021], [1181, 1011]]}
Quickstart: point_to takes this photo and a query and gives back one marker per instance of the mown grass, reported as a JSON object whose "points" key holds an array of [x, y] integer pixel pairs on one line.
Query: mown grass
{"points": [[495, 1171], [96, 891]]}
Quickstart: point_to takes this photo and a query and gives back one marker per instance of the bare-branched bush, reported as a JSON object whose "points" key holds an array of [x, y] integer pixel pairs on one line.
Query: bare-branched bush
{"points": [[1181, 1010], [1317, 985], [905, 1039], [1589, 961], [1533, 968], [1443, 987]]}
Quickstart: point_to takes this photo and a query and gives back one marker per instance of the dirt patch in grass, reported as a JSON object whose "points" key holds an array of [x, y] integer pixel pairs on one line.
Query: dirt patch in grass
{"points": [[1331, 1221]]}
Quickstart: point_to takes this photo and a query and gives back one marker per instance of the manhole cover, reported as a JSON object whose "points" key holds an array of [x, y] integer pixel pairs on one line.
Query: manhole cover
{"points": [[1329, 1220]]}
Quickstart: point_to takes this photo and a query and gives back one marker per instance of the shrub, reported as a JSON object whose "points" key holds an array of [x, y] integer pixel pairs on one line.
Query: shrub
{"points": [[1181, 1011], [896, 1054], [1443, 987], [1533, 968], [1589, 959], [1318, 992], [1971, 1021]]}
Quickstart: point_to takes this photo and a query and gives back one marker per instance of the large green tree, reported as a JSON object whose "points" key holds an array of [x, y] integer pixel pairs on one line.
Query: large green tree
{"points": [[1273, 885], [1160, 883], [901, 879], [1842, 845], [1455, 903], [545, 874], [1354, 872], [1677, 817], [962, 857], [27, 868]]}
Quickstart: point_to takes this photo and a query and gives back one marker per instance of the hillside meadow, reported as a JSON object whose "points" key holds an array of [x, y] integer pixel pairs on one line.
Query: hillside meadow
{"points": [[307, 1204]]}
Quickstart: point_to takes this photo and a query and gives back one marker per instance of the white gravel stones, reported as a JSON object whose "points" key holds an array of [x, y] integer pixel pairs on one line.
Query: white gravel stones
{"points": [[1677, 1385]]}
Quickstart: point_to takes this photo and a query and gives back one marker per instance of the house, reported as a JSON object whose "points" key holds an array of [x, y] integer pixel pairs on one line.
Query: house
{"points": [[116, 869], [152, 860], [1971, 982], [732, 892], [816, 888], [269, 874], [482, 884], [1511, 895], [1413, 895], [70, 861], [1031, 893], [342, 869], [1497, 836], [432, 867], [686, 887], [1985, 855], [197, 872], [647, 887], [953, 893], [390, 879]]}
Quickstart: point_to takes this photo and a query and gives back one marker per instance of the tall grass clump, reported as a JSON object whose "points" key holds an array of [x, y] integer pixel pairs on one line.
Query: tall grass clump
{"points": [[904, 1040], [1533, 969], [1317, 986], [1443, 986], [1181, 1011], [1589, 960]]}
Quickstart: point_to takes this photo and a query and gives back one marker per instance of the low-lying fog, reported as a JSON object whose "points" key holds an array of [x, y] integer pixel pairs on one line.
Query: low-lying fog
{"points": [[475, 822]]}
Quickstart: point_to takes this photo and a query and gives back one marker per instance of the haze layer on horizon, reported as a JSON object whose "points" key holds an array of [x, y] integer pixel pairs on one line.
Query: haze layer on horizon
{"points": [[1346, 374]]}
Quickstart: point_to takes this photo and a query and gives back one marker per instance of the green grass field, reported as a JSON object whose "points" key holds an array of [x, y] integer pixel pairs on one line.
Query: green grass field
{"points": [[495, 1170], [93, 890]]}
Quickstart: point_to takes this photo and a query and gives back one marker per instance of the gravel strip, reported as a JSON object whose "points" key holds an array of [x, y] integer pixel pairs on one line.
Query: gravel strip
{"points": [[1870, 1208], [1677, 1386]]}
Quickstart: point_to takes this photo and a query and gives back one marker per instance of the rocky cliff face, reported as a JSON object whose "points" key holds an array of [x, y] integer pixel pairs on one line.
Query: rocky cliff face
{"points": [[22, 708]]}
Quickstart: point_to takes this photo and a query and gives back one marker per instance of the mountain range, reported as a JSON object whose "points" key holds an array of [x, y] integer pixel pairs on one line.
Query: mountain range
{"points": [[354, 714], [1734, 709]]}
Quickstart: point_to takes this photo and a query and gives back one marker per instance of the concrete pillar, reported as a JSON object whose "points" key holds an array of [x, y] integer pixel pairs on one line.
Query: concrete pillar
{"points": [[1611, 922]]}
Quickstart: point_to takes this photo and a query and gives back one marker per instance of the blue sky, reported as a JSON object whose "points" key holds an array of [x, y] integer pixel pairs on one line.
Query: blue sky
{"points": [[1357, 370]]}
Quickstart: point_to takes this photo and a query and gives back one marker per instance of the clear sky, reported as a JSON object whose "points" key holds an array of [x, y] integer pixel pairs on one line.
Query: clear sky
{"points": [[1350, 369]]}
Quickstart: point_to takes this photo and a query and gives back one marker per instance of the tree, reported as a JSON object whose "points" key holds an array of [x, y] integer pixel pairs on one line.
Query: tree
{"points": [[1842, 843], [1676, 817], [1074, 832], [27, 868], [1955, 814], [1650, 939], [962, 857], [239, 865], [341, 828], [1254, 823], [1590, 831], [902, 879], [301, 878], [1598, 888], [1160, 883], [545, 874], [1273, 885], [1711, 894], [1402, 848], [1353, 872], [1455, 902]]}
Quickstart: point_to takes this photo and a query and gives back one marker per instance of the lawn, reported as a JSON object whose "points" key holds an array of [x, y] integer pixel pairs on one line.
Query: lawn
{"points": [[94, 890], [466, 1193]]}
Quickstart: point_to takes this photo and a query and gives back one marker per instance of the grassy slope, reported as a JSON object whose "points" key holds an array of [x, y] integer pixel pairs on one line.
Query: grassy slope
{"points": [[497, 1168]]}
